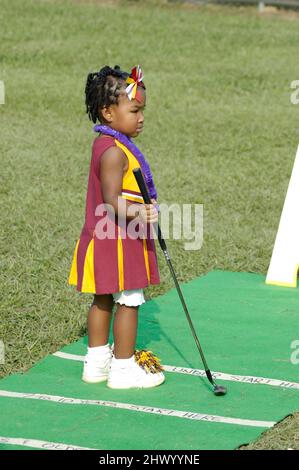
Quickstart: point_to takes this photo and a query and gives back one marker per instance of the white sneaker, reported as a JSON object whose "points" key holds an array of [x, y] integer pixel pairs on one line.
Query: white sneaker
{"points": [[96, 366], [126, 373]]}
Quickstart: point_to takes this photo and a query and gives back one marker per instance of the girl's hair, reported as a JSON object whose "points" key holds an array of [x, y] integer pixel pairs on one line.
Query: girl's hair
{"points": [[103, 89]]}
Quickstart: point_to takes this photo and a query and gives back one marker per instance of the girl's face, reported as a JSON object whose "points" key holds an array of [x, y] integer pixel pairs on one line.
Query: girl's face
{"points": [[127, 116]]}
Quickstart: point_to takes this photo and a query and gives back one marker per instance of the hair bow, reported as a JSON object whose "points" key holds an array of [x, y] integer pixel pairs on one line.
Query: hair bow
{"points": [[134, 80]]}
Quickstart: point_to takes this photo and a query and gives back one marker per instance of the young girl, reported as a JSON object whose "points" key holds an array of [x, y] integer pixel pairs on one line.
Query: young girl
{"points": [[116, 269]]}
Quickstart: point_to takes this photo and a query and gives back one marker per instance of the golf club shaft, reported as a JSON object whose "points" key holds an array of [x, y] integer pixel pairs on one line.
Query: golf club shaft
{"points": [[144, 191]]}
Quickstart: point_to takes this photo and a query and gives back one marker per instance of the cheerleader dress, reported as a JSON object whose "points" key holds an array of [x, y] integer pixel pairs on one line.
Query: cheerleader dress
{"points": [[103, 265]]}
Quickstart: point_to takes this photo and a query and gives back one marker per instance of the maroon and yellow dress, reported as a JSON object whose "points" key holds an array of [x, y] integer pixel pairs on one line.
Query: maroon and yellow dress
{"points": [[108, 265]]}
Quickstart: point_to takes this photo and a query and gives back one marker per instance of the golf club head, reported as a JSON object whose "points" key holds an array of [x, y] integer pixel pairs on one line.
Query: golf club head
{"points": [[219, 390]]}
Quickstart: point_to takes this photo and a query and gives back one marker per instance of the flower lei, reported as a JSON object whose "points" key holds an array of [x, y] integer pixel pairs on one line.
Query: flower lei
{"points": [[125, 140]]}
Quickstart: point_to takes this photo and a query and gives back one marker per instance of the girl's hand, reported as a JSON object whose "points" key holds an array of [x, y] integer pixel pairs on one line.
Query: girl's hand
{"points": [[148, 212]]}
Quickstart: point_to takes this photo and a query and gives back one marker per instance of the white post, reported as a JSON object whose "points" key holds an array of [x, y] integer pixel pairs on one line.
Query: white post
{"points": [[2, 92], [2, 352], [261, 6], [284, 263]]}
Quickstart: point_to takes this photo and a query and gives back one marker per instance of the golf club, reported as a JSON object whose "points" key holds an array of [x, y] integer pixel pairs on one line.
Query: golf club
{"points": [[218, 390]]}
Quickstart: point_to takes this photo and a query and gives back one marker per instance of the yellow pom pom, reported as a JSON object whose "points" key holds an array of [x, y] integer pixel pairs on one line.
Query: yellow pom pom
{"points": [[148, 361]]}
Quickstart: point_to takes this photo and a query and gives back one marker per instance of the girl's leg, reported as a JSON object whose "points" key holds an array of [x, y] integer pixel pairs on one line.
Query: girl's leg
{"points": [[99, 319], [125, 372], [98, 358], [125, 331]]}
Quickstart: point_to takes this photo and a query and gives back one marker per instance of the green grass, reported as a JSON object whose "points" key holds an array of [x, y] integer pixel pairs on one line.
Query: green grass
{"points": [[220, 130]]}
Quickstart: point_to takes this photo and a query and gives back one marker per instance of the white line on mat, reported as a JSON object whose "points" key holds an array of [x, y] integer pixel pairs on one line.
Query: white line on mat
{"points": [[141, 408], [47, 445], [248, 379]]}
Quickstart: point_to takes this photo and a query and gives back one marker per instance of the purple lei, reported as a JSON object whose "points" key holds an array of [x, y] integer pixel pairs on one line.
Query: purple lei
{"points": [[125, 140]]}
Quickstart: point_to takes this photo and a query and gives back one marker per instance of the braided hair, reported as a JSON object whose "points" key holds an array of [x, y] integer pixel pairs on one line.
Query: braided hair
{"points": [[103, 89]]}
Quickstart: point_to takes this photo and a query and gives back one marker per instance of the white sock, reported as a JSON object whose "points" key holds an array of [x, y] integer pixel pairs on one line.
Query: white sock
{"points": [[97, 350], [123, 362]]}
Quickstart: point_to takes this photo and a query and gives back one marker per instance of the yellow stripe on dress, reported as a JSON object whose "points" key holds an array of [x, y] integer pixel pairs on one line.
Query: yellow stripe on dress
{"points": [[145, 252], [129, 180], [73, 277], [120, 261], [132, 198], [88, 281]]}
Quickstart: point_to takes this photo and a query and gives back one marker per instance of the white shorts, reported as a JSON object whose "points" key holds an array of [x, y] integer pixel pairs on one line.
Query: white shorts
{"points": [[130, 298]]}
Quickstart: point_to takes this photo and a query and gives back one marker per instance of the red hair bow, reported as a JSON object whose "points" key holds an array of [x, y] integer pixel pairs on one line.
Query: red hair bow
{"points": [[134, 80]]}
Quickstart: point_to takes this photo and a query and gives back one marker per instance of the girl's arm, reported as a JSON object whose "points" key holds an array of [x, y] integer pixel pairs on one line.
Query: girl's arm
{"points": [[113, 165]]}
